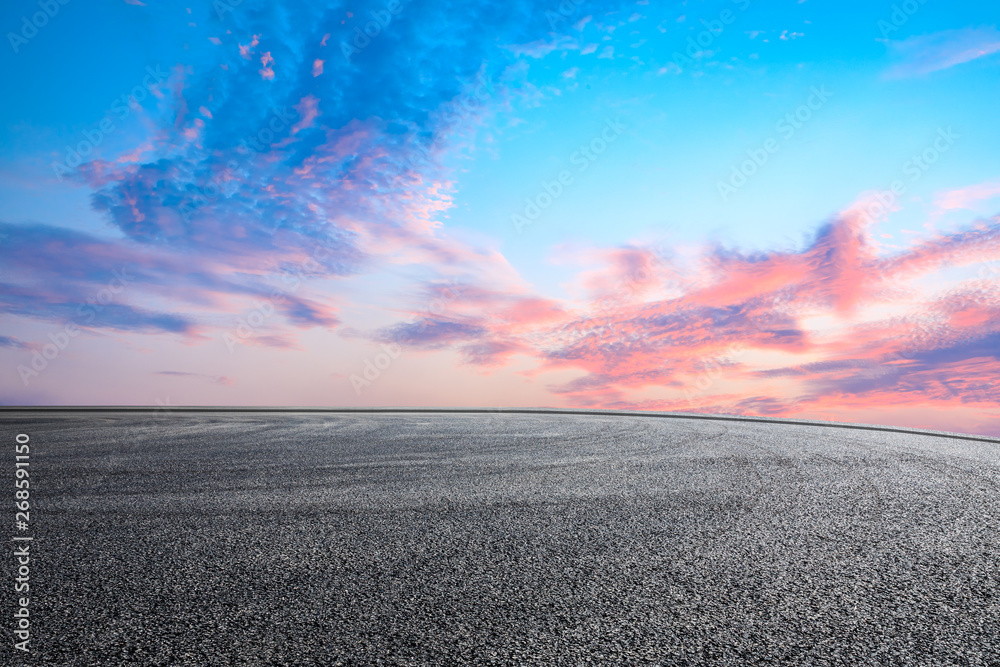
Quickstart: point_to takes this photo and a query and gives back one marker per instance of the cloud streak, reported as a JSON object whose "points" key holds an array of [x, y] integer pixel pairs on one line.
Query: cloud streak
{"points": [[924, 54]]}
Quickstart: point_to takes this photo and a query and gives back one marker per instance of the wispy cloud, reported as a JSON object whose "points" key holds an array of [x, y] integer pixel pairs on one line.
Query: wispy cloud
{"points": [[924, 54], [968, 197], [11, 342]]}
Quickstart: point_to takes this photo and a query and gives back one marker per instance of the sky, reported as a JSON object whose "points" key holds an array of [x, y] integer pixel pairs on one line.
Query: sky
{"points": [[784, 209]]}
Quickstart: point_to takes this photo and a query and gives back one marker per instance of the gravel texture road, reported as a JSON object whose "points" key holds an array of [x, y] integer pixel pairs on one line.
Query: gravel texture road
{"points": [[411, 538]]}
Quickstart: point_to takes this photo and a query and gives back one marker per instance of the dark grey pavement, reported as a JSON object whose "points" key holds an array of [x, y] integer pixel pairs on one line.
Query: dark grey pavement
{"points": [[214, 538]]}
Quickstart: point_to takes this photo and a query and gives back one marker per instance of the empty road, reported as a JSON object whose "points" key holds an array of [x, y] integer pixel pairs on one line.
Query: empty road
{"points": [[411, 538]]}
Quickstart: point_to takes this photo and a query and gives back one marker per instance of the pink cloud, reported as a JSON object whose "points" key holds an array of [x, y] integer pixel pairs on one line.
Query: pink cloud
{"points": [[266, 72], [308, 108], [965, 198], [970, 246], [924, 54], [543, 47], [697, 346], [246, 50]]}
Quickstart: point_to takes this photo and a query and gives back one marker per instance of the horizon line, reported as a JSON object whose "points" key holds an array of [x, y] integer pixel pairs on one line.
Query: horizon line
{"points": [[513, 410]]}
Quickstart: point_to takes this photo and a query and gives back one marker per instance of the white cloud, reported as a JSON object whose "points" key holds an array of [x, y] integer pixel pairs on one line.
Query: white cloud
{"points": [[923, 54]]}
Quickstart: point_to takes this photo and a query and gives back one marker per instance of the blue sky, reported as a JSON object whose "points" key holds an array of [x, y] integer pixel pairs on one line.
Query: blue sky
{"points": [[410, 155]]}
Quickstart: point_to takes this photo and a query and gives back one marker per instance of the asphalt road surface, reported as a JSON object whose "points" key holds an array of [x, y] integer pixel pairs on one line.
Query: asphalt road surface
{"points": [[289, 538]]}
